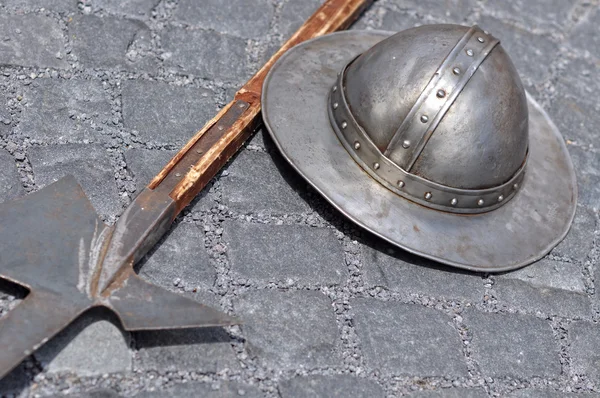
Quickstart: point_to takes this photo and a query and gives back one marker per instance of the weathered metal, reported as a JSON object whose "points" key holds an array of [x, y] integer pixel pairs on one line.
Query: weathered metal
{"points": [[427, 139], [53, 243]]}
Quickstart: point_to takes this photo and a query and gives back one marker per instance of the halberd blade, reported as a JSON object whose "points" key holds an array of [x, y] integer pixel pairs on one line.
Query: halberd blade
{"points": [[53, 243], [142, 306], [48, 239]]}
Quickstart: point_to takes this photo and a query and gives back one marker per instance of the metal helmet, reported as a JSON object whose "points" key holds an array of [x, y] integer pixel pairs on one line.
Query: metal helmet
{"points": [[427, 139]]}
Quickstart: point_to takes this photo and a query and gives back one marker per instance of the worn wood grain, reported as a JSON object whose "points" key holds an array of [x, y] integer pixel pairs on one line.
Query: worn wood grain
{"points": [[207, 152]]}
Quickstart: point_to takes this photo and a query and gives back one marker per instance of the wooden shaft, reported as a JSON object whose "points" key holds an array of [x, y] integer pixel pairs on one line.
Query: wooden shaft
{"points": [[203, 156]]}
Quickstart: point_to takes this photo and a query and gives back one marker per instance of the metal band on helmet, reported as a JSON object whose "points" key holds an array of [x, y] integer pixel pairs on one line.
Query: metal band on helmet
{"points": [[414, 132]]}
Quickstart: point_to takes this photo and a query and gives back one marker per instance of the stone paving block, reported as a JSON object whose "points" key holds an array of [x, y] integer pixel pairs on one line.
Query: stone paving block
{"points": [[294, 13], [526, 393], [89, 164], [110, 42], [552, 287], [181, 256], [405, 273], [166, 114], [584, 35], [191, 350], [395, 21], [512, 345], [532, 54], [213, 390], [407, 339], [534, 14], [585, 340], [574, 110], [447, 11], [270, 252], [10, 181], [87, 347], [550, 301], [31, 40], [133, 8], [289, 330], [587, 170], [450, 393], [330, 386], [62, 110], [579, 241], [239, 18], [54, 5], [145, 164], [551, 274], [255, 184], [576, 118], [206, 54]]}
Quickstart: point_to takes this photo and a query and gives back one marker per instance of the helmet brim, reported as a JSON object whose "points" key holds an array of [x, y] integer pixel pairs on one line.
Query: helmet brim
{"points": [[525, 229]]}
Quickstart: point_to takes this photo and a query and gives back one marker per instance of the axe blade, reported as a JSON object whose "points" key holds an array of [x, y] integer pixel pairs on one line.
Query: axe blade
{"points": [[53, 243]]}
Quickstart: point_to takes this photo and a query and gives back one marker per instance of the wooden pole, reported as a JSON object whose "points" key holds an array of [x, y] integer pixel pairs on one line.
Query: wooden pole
{"points": [[209, 150]]}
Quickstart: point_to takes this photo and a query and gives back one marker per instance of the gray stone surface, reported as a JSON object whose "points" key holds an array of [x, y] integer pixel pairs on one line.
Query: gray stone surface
{"points": [[64, 110], [55, 5], [208, 390], [10, 182], [534, 14], [190, 350], [580, 239], [450, 393], [254, 184], [166, 114], [289, 330], [134, 8], [109, 42], [87, 348], [330, 386], [181, 256], [586, 164], [512, 345], [584, 341], [406, 339], [547, 300], [89, 164], [205, 54], [575, 111], [551, 274], [455, 11], [144, 164], [253, 19], [404, 273], [274, 253], [582, 37], [294, 13], [31, 40], [396, 21], [531, 53]]}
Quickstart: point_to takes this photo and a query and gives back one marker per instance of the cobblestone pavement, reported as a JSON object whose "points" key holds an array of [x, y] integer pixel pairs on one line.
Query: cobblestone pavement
{"points": [[108, 90]]}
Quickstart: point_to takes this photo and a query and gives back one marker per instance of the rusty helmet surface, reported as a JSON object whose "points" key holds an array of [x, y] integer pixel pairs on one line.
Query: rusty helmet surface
{"points": [[428, 139]]}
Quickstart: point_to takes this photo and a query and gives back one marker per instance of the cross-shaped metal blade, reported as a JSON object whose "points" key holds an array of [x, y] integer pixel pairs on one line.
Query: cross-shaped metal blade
{"points": [[53, 243]]}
